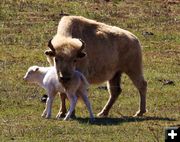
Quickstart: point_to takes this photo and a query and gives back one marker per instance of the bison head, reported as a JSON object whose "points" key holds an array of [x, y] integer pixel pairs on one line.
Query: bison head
{"points": [[66, 52]]}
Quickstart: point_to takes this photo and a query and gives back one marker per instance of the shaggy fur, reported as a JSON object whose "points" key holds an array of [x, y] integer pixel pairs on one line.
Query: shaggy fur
{"points": [[110, 51]]}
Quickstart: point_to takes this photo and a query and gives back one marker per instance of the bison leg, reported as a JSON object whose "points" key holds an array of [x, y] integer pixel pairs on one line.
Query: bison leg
{"points": [[114, 91], [141, 85], [62, 110]]}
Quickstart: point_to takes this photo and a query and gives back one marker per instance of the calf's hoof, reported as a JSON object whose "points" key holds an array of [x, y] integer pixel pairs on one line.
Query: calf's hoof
{"points": [[73, 116], [139, 113], [48, 116], [102, 114], [43, 115], [66, 118], [92, 120]]}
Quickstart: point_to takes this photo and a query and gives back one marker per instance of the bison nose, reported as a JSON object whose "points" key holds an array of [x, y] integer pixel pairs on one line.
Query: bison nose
{"points": [[65, 79]]}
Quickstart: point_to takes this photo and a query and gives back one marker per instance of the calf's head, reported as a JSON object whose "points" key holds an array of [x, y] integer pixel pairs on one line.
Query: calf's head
{"points": [[66, 52], [32, 74]]}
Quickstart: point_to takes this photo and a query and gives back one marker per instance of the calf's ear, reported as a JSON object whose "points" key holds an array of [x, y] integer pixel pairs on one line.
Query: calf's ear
{"points": [[36, 69], [49, 53]]}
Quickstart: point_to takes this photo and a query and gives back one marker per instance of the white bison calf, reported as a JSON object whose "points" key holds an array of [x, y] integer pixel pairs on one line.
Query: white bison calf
{"points": [[47, 78]]}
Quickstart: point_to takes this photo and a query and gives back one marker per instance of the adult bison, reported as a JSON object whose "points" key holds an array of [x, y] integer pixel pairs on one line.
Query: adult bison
{"points": [[110, 52]]}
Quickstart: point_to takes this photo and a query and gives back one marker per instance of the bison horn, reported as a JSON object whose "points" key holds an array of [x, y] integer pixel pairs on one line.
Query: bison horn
{"points": [[50, 45], [83, 44]]}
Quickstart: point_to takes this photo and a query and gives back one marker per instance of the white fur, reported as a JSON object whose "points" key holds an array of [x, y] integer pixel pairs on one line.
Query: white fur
{"points": [[47, 78]]}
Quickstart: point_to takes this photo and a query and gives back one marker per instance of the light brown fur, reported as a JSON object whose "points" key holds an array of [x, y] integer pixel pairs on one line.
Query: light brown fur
{"points": [[110, 50]]}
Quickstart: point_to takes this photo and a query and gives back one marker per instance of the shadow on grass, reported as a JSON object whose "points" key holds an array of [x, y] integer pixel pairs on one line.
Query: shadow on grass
{"points": [[115, 121]]}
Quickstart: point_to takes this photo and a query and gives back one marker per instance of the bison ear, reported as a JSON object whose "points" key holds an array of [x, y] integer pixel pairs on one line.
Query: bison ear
{"points": [[81, 55], [49, 53]]}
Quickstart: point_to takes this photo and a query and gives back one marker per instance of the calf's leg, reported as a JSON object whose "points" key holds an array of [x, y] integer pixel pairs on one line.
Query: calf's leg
{"points": [[88, 105], [114, 89], [63, 110], [73, 100], [47, 111]]}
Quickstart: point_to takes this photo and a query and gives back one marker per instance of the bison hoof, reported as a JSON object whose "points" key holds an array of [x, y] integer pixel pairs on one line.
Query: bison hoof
{"points": [[102, 114], [60, 115], [139, 113]]}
